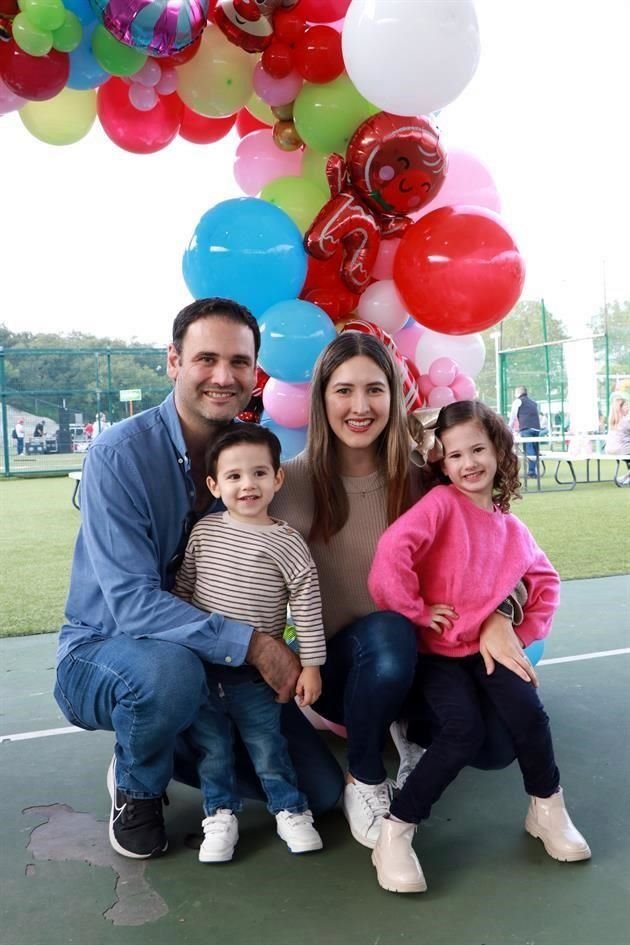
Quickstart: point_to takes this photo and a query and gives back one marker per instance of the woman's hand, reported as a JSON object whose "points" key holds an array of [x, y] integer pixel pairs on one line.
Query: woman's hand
{"points": [[441, 616], [498, 643]]}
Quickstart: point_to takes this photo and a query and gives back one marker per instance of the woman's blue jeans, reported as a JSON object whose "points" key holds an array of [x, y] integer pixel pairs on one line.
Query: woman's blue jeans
{"points": [[369, 667], [149, 692]]}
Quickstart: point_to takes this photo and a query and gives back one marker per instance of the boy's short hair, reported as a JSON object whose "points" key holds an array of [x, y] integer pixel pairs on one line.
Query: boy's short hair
{"points": [[238, 433]]}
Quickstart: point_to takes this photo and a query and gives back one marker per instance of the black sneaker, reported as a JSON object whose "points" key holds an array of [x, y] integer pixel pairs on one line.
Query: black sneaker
{"points": [[136, 824]]}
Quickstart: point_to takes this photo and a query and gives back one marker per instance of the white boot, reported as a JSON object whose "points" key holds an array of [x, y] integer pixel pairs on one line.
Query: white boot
{"points": [[548, 820], [397, 866]]}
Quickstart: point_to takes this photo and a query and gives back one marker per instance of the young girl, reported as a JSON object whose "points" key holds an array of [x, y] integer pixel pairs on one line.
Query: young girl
{"points": [[459, 549]]}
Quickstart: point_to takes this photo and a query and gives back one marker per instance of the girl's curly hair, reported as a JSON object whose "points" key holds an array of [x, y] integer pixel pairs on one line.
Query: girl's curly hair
{"points": [[507, 484]]}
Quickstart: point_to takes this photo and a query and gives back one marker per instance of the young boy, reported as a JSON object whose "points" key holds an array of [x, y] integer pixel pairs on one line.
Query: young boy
{"points": [[248, 566]]}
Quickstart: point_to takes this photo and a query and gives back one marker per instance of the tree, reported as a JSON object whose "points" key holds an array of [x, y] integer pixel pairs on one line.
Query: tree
{"points": [[616, 320]]}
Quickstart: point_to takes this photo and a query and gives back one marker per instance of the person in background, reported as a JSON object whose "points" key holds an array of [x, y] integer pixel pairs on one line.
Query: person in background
{"points": [[353, 480], [19, 436], [446, 565], [39, 428], [525, 418], [618, 436], [247, 566]]}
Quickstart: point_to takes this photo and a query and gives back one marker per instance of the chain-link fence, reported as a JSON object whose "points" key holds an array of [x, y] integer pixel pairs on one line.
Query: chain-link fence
{"points": [[55, 401]]}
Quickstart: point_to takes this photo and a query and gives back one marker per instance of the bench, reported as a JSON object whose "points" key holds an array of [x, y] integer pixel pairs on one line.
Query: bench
{"points": [[568, 457], [76, 476]]}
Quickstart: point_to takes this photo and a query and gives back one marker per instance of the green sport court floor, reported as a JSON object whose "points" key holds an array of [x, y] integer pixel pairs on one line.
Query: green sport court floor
{"points": [[489, 883]]}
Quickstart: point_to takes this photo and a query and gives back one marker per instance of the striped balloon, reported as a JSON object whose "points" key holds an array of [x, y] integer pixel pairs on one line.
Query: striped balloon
{"points": [[156, 27]]}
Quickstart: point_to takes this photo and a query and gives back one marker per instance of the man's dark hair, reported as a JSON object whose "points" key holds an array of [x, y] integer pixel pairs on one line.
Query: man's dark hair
{"points": [[236, 434], [221, 308]]}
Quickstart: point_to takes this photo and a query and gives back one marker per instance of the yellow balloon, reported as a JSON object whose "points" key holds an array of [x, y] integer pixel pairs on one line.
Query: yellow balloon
{"points": [[64, 119], [260, 109], [217, 81]]}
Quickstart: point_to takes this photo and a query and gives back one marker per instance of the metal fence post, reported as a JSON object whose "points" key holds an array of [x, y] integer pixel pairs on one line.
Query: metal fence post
{"points": [[5, 427]]}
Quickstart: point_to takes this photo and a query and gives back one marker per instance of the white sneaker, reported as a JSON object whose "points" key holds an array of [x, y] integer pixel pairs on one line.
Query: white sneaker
{"points": [[365, 805], [410, 753], [220, 837], [298, 832]]}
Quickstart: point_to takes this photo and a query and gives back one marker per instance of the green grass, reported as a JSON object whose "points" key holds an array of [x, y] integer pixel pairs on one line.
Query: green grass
{"points": [[584, 532]]}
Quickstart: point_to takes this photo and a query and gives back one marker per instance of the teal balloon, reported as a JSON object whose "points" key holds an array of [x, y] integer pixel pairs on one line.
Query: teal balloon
{"points": [[248, 250], [534, 651], [292, 439], [292, 336]]}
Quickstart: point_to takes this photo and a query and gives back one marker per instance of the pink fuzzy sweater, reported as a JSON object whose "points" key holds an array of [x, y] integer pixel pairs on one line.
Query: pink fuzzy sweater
{"points": [[446, 550]]}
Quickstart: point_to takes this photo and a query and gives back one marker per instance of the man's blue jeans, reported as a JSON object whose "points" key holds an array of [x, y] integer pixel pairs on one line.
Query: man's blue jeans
{"points": [[240, 700], [149, 693], [369, 667], [531, 451]]}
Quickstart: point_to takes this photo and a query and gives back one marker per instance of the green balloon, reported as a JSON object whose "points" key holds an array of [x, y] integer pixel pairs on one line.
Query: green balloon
{"points": [[113, 56], [45, 14], [30, 38], [314, 168], [64, 119], [69, 34], [326, 116], [299, 198]]}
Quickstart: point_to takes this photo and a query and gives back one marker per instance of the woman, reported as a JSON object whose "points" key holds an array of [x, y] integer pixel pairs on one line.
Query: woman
{"points": [[341, 493], [618, 438]]}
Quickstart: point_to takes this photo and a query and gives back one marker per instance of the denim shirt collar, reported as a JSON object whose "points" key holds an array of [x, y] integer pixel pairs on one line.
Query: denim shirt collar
{"points": [[170, 418]]}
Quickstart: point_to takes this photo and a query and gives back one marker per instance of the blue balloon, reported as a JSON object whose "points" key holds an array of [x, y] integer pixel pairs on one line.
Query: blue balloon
{"points": [[292, 439], [292, 336], [248, 250], [85, 72], [83, 10], [535, 651]]}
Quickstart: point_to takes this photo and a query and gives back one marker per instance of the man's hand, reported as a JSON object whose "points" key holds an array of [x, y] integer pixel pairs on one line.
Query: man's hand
{"points": [[276, 663], [309, 686], [442, 616], [499, 643]]}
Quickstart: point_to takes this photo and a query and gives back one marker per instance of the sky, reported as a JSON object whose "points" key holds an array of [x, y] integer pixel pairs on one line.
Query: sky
{"points": [[92, 237]]}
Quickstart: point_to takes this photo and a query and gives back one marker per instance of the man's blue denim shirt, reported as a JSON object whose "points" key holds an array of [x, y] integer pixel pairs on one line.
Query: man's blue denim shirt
{"points": [[136, 496]]}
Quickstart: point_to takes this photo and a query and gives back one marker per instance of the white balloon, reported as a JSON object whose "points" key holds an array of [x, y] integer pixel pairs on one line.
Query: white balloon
{"points": [[411, 57], [382, 305], [468, 350]]}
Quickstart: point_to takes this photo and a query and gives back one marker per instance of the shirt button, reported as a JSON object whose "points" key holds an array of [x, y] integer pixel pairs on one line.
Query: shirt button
{"points": [[228, 659], [180, 460]]}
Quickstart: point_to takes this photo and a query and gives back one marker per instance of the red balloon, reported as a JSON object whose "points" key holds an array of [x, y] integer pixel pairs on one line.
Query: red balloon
{"points": [[9, 8], [317, 54], [324, 11], [323, 287], [288, 25], [133, 130], [201, 130], [246, 122], [277, 59], [36, 78], [458, 270], [181, 56]]}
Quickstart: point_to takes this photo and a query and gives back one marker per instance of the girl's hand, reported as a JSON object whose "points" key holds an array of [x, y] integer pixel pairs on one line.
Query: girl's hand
{"points": [[309, 686], [499, 643], [442, 616]]}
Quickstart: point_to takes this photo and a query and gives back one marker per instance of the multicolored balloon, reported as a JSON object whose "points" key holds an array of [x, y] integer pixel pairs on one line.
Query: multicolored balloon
{"points": [[157, 27]]}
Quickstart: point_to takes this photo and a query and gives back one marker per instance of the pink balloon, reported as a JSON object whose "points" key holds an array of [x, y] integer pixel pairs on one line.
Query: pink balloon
{"points": [[339, 730], [316, 720], [425, 385], [9, 101], [468, 350], [440, 397], [276, 91], [259, 160], [383, 268], [463, 387], [443, 372], [381, 305], [407, 339], [142, 97], [287, 404], [468, 181]]}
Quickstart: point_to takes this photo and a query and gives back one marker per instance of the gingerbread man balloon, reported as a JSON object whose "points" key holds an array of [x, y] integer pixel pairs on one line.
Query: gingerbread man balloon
{"points": [[394, 165], [248, 23]]}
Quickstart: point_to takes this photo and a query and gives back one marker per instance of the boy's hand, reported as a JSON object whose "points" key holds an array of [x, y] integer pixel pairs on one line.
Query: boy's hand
{"points": [[442, 615], [309, 686]]}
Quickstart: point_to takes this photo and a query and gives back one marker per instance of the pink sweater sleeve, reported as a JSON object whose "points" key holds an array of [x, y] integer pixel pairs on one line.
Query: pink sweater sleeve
{"points": [[543, 597], [393, 581]]}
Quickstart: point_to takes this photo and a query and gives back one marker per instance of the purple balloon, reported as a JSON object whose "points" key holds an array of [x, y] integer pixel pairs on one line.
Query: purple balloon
{"points": [[156, 27]]}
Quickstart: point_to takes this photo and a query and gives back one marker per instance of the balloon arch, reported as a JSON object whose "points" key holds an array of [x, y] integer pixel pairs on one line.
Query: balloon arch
{"points": [[354, 216]]}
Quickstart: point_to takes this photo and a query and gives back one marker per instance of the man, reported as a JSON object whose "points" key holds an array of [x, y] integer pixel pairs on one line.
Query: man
{"points": [[132, 655], [39, 428], [20, 434], [525, 418]]}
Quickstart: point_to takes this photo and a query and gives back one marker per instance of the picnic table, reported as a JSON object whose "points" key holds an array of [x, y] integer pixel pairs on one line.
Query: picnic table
{"points": [[569, 449], [76, 476]]}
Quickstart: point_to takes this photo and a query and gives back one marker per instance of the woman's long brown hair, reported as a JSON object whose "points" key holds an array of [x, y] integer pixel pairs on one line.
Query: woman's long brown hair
{"points": [[331, 509]]}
